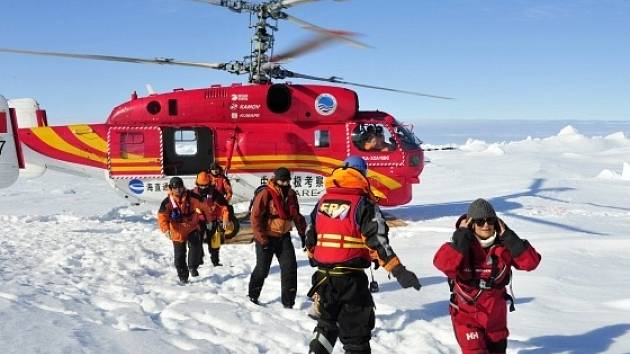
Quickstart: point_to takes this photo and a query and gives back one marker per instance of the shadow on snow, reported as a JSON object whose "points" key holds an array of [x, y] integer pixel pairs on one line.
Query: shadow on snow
{"points": [[595, 341], [503, 204]]}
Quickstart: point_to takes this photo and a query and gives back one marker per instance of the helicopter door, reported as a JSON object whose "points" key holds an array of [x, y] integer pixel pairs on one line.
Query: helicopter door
{"points": [[376, 144], [134, 152], [187, 150]]}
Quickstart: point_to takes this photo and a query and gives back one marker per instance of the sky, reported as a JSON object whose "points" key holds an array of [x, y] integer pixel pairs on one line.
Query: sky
{"points": [[519, 59], [82, 271]]}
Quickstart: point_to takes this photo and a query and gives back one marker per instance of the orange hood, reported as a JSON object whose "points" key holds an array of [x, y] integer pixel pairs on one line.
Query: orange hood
{"points": [[351, 178]]}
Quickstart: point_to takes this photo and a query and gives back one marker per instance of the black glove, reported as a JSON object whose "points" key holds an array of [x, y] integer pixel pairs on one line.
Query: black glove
{"points": [[513, 243], [461, 240], [406, 278], [376, 264]]}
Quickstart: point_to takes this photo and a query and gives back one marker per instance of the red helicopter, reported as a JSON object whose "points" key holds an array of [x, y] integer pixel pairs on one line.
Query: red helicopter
{"points": [[250, 129]]}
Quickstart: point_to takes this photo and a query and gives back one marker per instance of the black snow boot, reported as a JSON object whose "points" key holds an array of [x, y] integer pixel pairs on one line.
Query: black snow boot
{"points": [[254, 300], [214, 257]]}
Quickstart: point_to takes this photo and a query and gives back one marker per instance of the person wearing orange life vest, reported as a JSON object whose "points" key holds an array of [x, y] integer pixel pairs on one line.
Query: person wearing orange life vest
{"points": [[215, 226], [274, 211], [178, 218], [220, 181], [347, 231]]}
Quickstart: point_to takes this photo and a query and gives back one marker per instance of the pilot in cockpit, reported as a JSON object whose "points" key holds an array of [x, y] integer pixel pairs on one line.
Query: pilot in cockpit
{"points": [[374, 140]]}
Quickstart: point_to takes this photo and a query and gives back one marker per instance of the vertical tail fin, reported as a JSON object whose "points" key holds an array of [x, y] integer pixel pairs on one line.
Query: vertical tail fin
{"points": [[9, 146]]}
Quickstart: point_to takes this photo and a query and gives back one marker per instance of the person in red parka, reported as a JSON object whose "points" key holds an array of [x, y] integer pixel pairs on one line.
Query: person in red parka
{"points": [[274, 212], [478, 263]]}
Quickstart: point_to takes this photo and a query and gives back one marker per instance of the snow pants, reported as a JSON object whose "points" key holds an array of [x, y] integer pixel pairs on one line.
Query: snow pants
{"points": [[282, 247], [347, 312], [481, 328], [194, 254]]}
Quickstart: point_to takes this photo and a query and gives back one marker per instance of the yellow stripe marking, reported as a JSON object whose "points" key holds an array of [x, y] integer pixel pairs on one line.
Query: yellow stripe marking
{"points": [[286, 160], [353, 245], [331, 244], [136, 168], [330, 236], [283, 157], [353, 239], [133, 160], [88, 137], [48, 136]]}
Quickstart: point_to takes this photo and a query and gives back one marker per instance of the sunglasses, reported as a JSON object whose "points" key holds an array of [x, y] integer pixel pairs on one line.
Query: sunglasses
{"points": [[480, 222]]}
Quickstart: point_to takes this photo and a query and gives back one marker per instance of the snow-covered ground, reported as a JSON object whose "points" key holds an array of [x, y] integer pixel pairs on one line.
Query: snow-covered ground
{"points": [[82, 272]]}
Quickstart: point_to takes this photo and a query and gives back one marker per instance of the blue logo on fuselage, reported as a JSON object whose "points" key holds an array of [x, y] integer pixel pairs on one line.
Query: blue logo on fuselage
{"points": [[136, 186], [325, 104]]}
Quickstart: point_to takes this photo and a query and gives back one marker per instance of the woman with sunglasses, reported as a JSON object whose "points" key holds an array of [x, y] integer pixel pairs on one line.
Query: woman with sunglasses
{"points": [[478, 263]]}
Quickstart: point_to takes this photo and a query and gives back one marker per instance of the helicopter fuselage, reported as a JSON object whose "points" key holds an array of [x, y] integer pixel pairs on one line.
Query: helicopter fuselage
{"points": [[249, 129]]}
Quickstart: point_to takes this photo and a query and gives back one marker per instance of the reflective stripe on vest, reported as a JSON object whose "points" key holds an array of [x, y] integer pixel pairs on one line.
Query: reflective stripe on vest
{"points": [[339, 241], [338, 234]]}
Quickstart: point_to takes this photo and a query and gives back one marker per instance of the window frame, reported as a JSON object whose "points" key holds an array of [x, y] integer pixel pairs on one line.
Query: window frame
{"points": [[180, 142]]}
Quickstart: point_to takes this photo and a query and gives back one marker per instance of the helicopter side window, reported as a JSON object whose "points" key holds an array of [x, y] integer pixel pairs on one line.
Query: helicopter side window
{"points": [[373, 137], [185, 142], [322, 138], [131, 145]]}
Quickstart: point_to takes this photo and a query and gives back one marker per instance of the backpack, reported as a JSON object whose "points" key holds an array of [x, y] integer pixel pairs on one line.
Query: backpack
{"points": [[251, 202]]}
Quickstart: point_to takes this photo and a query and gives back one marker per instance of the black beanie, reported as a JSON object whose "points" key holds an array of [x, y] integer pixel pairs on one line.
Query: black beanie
{"points": [[282, 174], [481, 209], [176, 182]]}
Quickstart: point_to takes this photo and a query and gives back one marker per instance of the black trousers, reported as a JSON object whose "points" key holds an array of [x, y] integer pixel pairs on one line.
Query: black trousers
{"points": [[195, 253], [347, 312], [283, 249]]}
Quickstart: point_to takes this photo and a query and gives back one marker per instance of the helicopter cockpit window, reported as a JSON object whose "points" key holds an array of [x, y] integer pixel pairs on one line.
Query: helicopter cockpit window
{"points": [[408, 140], [373, 137], [131, 145], [322, 138], [185, 142]]}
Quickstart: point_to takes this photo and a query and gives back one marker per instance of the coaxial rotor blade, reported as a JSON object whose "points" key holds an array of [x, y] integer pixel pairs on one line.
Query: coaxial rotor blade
{"points": [[288, 3], [234, 5], [161, 61], [310, 45], [340, 35], [337, 80]]}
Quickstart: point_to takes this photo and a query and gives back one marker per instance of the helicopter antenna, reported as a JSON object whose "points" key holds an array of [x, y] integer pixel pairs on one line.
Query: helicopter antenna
{"points": [[150, 89]]}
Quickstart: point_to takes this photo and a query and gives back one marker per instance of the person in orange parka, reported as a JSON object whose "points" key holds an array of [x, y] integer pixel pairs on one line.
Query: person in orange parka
{"points": [[178, 218], [220, 182], [478, 263], [219, 218]]}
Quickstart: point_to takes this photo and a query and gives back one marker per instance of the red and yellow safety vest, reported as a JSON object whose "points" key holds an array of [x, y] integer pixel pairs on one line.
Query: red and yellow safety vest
{"points": [[339, 238]]}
